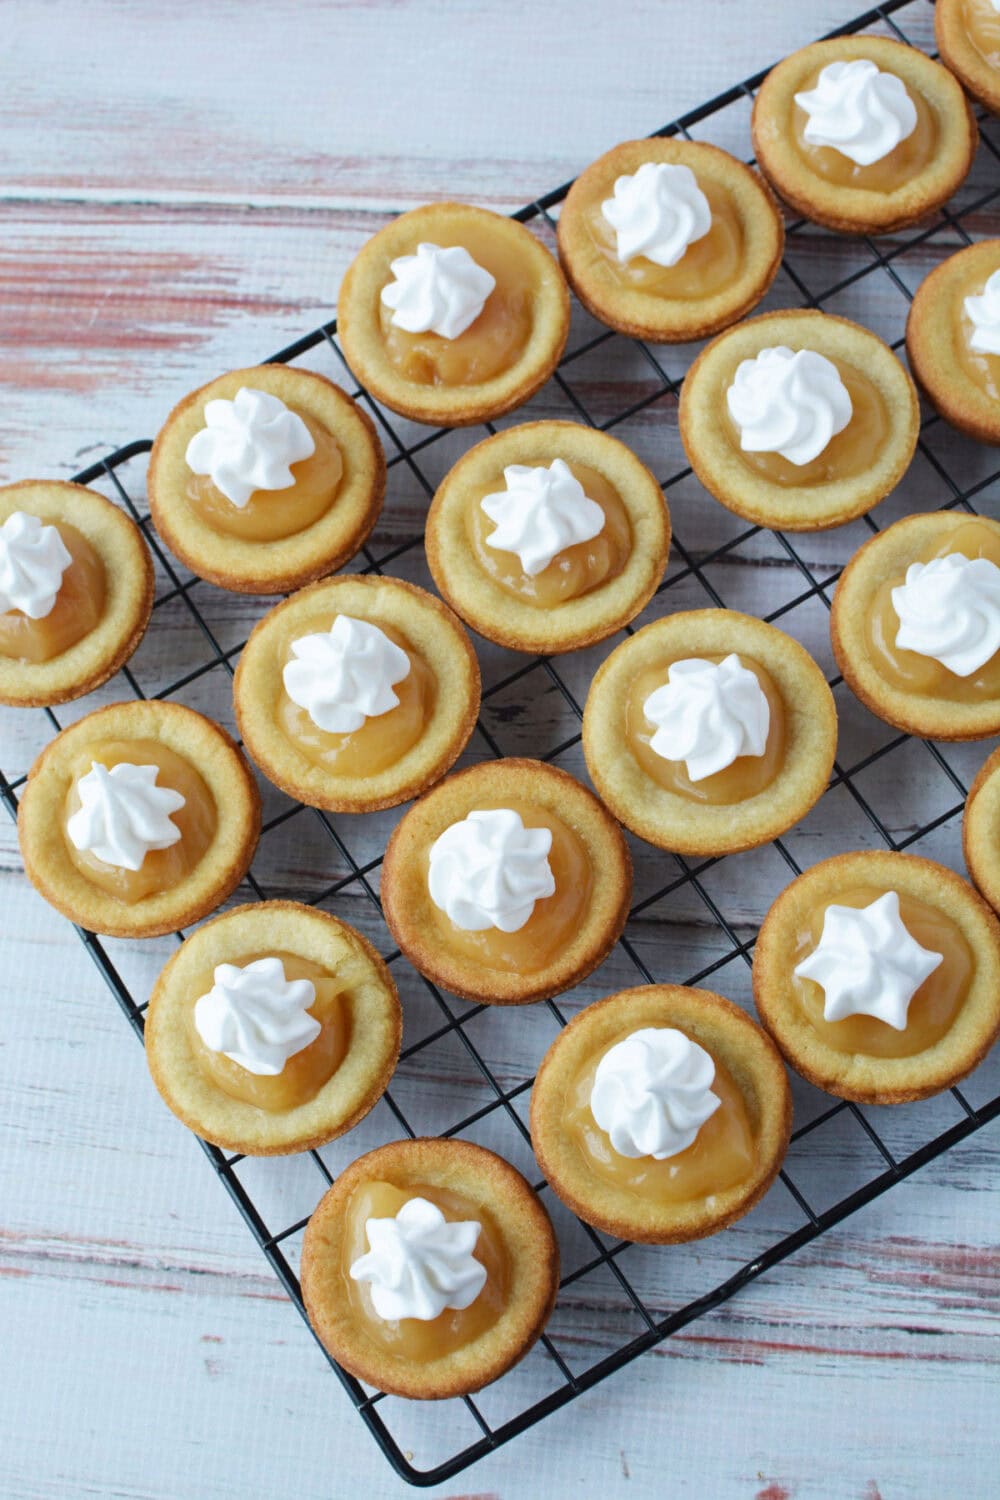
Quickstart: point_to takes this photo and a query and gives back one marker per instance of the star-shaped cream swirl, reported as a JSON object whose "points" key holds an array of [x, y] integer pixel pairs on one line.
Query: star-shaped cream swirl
{"points": [[420, 1263], [867, 963]]}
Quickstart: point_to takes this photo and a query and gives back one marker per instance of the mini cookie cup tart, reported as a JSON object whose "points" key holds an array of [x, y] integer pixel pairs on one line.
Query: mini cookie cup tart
{"points": [[764, 788], [981, 831], [395, 751], [717, 278], [963, 384], [587, 590], [968, 38], [735, 1155], [915, 691], [859, 464], [826, 184], [549, 935], [485, 368], [282, 535], [103, 598], [209, 835], [323, 1088], [461, 1349], [952, 1015]]}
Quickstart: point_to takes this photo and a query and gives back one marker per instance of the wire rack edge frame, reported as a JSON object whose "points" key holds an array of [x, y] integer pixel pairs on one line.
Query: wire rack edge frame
{"points": [[816, 1223]]}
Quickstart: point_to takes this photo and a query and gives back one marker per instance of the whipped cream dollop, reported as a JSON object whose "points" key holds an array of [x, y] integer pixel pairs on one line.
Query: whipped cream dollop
{"points": [[949, 609], [657, 212], [437, 290], [858, 110], [541, 513], [33, 559], [249, 444], [652, 1092], [419, 1264], [983, 313], [708, 714], [788, 403], [345, 675], [867, 963], [255, 1016], [123, 815], [489, 870]]}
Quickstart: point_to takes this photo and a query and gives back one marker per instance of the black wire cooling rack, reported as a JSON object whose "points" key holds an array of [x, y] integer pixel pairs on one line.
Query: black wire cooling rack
{"points": [[467, 1070]]}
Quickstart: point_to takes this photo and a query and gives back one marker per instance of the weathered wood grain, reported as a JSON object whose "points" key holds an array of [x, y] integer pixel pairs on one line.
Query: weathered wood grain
{"points": [[181, 191]]}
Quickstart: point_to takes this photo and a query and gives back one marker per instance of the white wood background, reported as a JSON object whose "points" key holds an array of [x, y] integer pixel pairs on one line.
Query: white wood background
{"points": [[181, 189]]}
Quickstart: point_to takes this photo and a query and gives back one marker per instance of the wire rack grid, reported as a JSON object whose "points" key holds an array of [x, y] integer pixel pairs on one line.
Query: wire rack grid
{"points": [[693, 922]]}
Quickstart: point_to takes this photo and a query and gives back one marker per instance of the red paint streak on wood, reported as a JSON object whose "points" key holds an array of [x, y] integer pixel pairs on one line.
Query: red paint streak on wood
{"points": [[120, 1283], [952, 1261], [23, 1237], [72, 314], [96, 1259], [959, 1276], [775, 1346]]}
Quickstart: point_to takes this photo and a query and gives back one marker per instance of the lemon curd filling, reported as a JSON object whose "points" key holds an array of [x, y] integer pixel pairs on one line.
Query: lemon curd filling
{"points": [[746, 777], [382, 739], [911, 672], [270, 515], [161, 869], [982, 26], [849, 453], [555, 919], [412, 1338], [709, 265], [305, 1072], [578, 569], [912, 156], [934, 1006], [490, 345], [78, 608], [722, 1156]]}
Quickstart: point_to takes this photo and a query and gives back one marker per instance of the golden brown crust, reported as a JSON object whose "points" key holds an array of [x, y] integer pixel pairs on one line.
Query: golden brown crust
{"points": [[887, 556], [732, 1038], [276, 567], [375, 1022], [645, 315], [499, 615], [934, 324], [42, 819], [430, 627], [441, 405], [967, 63], [412, 916], [981, 830], [717, 461], [129, 584], [528, 1240], [666, 818], [856, 1076], [862, 210]]}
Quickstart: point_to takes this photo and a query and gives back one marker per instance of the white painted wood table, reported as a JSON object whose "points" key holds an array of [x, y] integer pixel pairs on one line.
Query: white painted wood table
{"points": [[181, 189]]}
